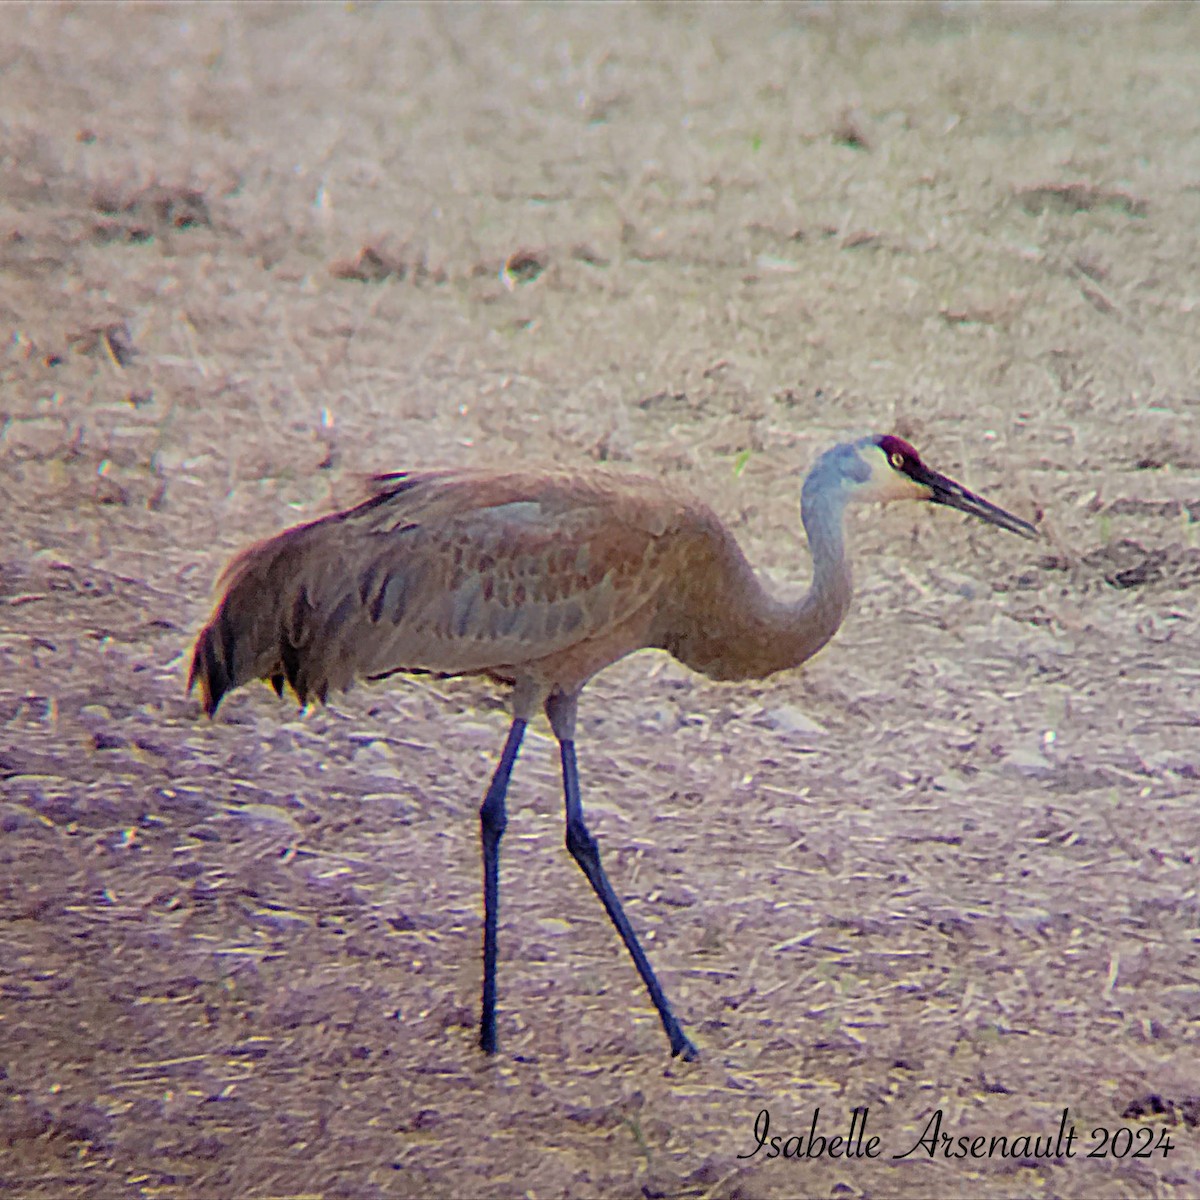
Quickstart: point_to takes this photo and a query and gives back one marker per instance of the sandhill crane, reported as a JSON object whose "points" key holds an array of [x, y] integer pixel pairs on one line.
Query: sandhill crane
{"points": [[540, 579]]}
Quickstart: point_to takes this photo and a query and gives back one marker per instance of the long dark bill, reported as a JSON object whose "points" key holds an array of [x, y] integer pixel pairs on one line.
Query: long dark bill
{"points": [[954, 495]]}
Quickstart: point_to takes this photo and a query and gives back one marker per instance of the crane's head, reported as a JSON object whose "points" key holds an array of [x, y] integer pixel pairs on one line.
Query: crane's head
{"points": [[885, 467]]}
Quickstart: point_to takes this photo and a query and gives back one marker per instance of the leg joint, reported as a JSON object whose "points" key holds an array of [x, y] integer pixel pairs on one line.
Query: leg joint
{"points": [[580, 841], [492, 816]]}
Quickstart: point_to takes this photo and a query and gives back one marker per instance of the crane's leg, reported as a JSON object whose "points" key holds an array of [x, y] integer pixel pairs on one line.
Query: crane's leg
{"points": [[586, 853], [492, 820]]}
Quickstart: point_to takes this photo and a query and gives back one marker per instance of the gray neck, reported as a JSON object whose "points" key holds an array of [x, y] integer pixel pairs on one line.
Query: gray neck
{"points": [[808, 624], [750, 634]]}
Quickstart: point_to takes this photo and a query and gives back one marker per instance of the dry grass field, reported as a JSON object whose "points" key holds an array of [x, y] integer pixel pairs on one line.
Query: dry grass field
{"points": [[250, 253]]}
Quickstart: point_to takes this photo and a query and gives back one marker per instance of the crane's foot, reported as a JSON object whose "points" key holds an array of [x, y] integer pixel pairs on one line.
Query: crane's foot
{"points": [[682, 1047]]}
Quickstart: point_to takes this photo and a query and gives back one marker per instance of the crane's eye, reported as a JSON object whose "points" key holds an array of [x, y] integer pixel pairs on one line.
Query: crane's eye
{"points": [[896, 459]]}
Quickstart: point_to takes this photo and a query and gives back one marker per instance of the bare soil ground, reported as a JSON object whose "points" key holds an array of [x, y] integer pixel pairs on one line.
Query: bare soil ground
{"points": [[248, 253]]}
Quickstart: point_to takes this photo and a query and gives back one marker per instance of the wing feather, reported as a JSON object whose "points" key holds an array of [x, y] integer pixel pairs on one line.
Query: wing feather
{"points": [[444, 571]]}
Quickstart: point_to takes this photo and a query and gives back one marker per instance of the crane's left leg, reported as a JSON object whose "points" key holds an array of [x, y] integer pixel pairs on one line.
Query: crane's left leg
{"points": [[583, 848], [492, 820]]}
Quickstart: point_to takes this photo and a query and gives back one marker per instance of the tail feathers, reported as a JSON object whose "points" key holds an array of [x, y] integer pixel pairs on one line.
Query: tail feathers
{"points": [[214, 662], [263, 628], [242, 640], [292, 605], [205, 670], [230, 653]]}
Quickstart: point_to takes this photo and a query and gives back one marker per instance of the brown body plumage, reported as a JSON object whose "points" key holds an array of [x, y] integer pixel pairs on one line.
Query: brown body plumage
{"points": [[536, 578], [540, 579]]}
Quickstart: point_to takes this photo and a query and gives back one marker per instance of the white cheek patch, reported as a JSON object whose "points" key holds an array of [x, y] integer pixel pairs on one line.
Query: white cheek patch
{"points": [[888, 484], [904, 488]]}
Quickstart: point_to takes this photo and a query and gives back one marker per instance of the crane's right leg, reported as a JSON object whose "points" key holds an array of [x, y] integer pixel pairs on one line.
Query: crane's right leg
{"points": [[492, 820], [582, 845]]}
